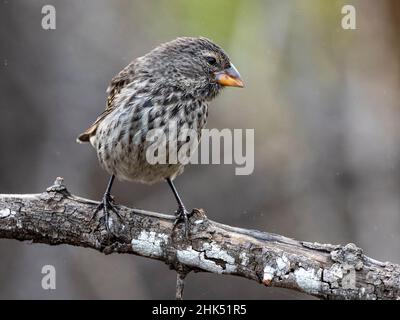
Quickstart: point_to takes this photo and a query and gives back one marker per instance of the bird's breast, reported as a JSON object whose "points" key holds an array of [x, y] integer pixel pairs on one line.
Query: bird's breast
{"points": [[124, 137]]}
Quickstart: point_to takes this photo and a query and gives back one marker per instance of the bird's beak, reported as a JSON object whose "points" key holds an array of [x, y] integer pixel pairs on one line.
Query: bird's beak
{"points": [[229, 77]]}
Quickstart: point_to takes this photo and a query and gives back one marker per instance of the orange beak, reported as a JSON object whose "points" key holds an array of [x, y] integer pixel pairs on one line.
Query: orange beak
{"points": [[229, 77]]}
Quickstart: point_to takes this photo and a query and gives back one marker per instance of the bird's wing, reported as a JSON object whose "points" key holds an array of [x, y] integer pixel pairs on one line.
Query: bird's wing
{"points": [[123, 78]]}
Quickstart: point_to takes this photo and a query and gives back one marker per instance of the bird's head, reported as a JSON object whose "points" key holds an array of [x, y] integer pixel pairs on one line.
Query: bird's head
{"points": [[193, 66]]}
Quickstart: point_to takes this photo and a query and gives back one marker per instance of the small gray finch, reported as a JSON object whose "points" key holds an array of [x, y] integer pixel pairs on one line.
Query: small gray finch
{"points": [[173, 82]]}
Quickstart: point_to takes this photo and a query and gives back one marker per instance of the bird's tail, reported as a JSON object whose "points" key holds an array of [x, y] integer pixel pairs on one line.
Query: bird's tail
{"points": [[91, 131], [83, 137]]}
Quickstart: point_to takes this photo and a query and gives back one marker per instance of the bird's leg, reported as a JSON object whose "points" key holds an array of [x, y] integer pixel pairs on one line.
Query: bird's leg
{"points": [[181, 214], [107, 205]]}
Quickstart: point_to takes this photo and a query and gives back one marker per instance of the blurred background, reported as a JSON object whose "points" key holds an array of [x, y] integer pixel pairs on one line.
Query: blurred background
{"points": [[324, 103]]}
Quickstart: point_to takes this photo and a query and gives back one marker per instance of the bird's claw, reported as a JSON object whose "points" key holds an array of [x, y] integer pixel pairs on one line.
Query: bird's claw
{"points": [[107, 206], [182, 215]]}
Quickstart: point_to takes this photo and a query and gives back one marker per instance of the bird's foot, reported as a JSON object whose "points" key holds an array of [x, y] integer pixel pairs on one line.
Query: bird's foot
{"points": [[107, 206], [182, 215]]}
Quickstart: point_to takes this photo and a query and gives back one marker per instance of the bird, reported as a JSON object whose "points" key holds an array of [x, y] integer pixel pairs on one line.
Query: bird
{"points": [[173, 82]]}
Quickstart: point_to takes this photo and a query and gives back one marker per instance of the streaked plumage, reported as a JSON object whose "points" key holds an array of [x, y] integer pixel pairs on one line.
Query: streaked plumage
{"points": [[173, 82]]}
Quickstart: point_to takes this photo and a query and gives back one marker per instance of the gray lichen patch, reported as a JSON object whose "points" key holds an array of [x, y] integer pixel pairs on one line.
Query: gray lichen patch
{"points": [[278, 267], [283, 265], [349, 254], [150, 243], [7, 213], [333, 275], [244, 259], [193, 258], [211, 257], [308, 279], [268, 276]]}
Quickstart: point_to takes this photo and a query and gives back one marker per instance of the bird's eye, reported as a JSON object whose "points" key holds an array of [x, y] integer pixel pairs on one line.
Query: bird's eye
{"points": [[211, 61]]}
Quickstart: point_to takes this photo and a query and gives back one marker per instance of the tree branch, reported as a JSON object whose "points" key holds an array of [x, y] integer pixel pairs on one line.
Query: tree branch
{"points": [[323, 270]]}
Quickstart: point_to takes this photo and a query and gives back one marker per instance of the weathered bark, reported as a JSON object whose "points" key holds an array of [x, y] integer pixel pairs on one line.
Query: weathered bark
{"points": [[323, 270]]}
